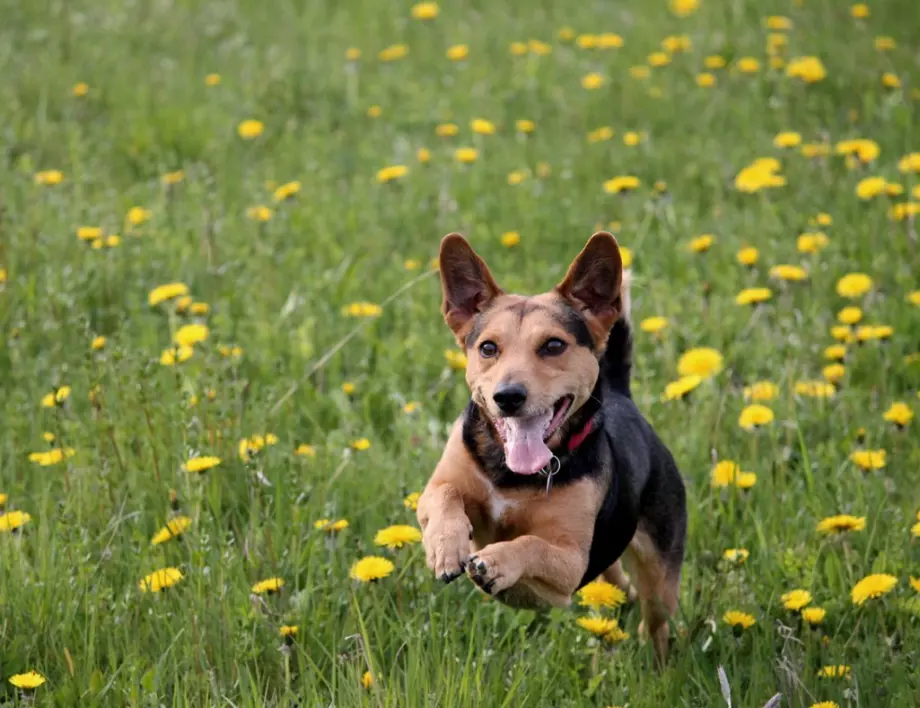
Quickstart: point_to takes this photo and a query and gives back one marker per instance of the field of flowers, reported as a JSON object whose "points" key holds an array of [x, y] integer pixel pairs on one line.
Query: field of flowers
{"points": [[224, 377]]}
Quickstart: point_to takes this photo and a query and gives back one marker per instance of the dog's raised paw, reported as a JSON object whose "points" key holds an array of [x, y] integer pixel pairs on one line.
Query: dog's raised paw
{"points": [[493, 569]]}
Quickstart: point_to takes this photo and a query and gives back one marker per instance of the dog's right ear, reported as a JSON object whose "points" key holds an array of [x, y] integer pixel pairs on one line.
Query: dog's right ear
{"points": [[466, 282]]}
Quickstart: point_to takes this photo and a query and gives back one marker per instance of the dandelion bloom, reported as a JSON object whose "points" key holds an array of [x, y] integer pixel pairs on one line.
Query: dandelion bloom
{"points": [[288, 630], [872, 587], [425, 10], [653, 325], [915, 583], [58, 396], [761, 391], [789, 273], [268, 586], [682, 8], [753, 296], [446, 130], [850, 315], [363, 309], [702, 243], [760, 174], [592, 81], [162, 293], [624, 183], [854, 285], [388, 174], [397, 536], [899, 413], [361, 444], [714, 61], [482, 126], [868, 459], [175, 528], [97, 343], [137, 215], [835, 352], [331, 526], [176, 355], [755, 416], [466, 155], [260, 213], [250, 129], [872, 332], [202, 464], [599, 593], [411, 501], [748, 65], [13, 520], [702, 361], [808, 69], [814, 615], [160, 580], [825, 704], [600, 134], [787, 139], [455, 359], [891, 80], [510, 238], [608, 629], [834, 671], [52, 456], [639, 72], [304, 450], [739, 620], [813, 150], [841, 523], [910, 162], [834, 372], [286, 191], [89, 233], [28, 681], [812, 242], [736, 555], [677, 390], [367, 679], [609, 40], [866, 150], [371, 568], [411, 407], [747, 256], [658, 59], [724, 473], [49, 178], [173, 178], [815, 389], [795, 600], [458, 52], [190, 334], [626, 254], [3, 499]]}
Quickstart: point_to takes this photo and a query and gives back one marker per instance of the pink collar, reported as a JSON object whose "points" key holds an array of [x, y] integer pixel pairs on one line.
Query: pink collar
{"points": [[579, 437]]}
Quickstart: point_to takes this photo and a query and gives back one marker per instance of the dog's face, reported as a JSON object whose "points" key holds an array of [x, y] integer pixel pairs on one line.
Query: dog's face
{"points": [[532, 361]]}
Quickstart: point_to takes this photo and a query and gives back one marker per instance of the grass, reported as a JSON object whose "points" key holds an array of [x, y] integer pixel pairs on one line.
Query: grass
{"points": [[71, 606]]}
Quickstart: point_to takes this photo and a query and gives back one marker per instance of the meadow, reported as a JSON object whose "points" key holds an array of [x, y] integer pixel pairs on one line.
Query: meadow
{"points": [[224, 376]]}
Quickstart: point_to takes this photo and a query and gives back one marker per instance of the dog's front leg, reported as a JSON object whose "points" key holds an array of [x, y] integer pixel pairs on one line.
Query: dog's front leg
{"points": [[446, 530], [551, 571]]}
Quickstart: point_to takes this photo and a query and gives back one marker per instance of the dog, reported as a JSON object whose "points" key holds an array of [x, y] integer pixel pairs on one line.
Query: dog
{"points": [[551, 473]]}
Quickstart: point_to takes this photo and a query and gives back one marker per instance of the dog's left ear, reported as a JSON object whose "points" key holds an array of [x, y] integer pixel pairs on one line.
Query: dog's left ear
{"points": [[592, 284]]}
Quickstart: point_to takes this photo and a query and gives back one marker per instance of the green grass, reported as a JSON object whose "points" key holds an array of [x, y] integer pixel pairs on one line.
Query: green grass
{"points": [[70, 606]]}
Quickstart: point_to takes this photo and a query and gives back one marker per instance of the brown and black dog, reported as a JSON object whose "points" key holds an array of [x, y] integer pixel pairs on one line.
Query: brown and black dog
{"points": [[551, 473]]}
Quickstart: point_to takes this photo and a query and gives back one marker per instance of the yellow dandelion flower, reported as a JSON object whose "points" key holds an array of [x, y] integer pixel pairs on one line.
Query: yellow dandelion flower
{"points": [[175, 528], [397, 536], [714, 61], [835, 352], [259, 213], [761, 391], [626, 254], [813, 242], [13, 520], [52, 456], [28, 681], [288, 630], [653, 325], [658, 59], [455, 359], [841, 523], [624, 183], [682, 8], [56, 397], [212, 80], [702, 243], [137, 215], [854, 285], [834, 671], [868, 459], [466, 155], [425, 10], [600, 134], [201, 464], [724, 473], [3, 499], [190, 334], [599, 626], [371, 568], [361, 444], [789, 273], [160, 580], [787, 139], [755, 416], [872, 587], [899, 413], [814, 615], [795, 600], [458, 52], [815, 389], [677, 390], [705, 79], [286, 191], [599, 593], [910, 163], [393, 172], [304, 450], [809, 69], [423, 155], [176, 355], [49, 178], [268, 586], [367, 679], [739, 620], [701, 361], [748, 65], [394, 52], [510, 238], [753, 296], [162, 293], [592, 81], [834, 372], [250, 129], [89, 233], [411, 501], [747, 256], [736, 555], [352, 54], [631, 138]]}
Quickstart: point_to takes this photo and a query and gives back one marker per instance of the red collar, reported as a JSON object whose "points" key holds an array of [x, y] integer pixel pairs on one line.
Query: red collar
{"points": [[579, 437]]}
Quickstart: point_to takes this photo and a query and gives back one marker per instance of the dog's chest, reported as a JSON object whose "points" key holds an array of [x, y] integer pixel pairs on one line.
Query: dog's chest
{"points": [[498, 505]]}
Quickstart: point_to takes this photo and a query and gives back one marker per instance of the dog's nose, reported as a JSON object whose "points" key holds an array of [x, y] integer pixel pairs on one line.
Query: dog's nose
{"points": [[510, 397]]}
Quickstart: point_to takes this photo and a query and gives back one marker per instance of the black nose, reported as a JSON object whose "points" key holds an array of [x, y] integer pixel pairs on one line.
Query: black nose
{"points": [[510, 397]]}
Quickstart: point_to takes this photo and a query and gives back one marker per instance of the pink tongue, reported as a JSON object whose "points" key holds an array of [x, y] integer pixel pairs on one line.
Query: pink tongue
{"points": [[525, 451]]}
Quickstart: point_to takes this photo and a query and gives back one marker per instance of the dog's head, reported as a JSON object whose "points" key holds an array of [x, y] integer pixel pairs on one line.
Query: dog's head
{"points": [[532, 361]]}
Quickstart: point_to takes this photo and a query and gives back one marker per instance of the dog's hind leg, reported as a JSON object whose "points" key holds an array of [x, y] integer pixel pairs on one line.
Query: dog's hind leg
{"points": [[617, 576], [658, 587]]}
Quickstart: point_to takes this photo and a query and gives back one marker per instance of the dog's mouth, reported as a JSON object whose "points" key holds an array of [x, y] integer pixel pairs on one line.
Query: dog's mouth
{"points": [[525, 437]]}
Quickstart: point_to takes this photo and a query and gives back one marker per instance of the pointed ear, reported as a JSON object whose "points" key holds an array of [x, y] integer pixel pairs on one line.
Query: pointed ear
{"points": [[466, 282], [592, 284]]}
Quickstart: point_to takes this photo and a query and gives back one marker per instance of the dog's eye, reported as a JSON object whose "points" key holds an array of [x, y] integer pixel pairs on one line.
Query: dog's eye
{"points": [[488, 349], [553, 347]]}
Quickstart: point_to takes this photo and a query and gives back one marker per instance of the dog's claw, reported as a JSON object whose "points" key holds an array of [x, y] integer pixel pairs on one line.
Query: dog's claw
{"points": [[450, 577]]}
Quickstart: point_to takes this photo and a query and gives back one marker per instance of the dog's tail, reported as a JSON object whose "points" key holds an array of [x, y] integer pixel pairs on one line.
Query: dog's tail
{"points": [[617, 359]]}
